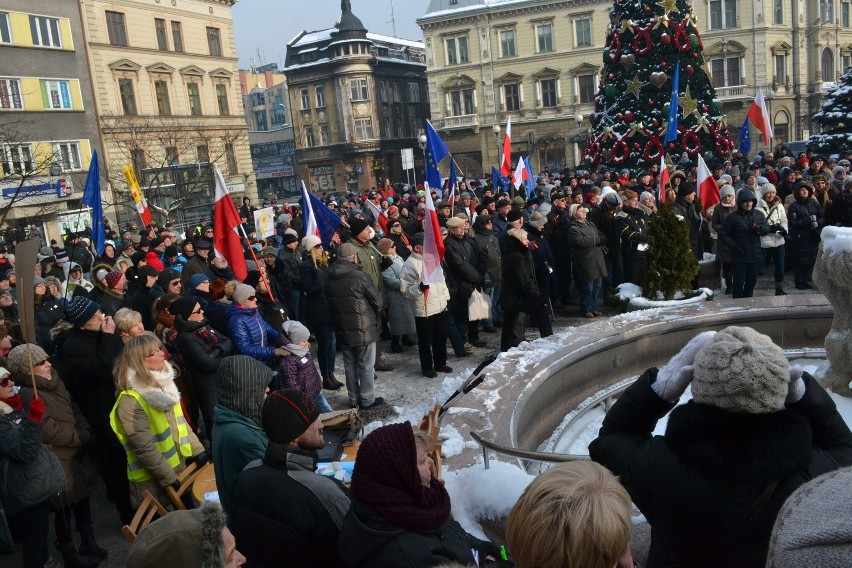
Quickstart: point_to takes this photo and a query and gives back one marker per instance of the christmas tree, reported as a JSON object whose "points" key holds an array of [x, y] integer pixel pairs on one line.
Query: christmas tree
{"points": [[835, 120], [669, 265], [646, 42]]}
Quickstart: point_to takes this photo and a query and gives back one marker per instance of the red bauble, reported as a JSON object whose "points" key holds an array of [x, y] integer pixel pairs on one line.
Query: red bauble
{"points": [[636, 145], [690, 70], [647, 8], [665, 39], [694, 54], [705, 108], [671, 145], [651, 102], [619, 116], [628, 116], [611, 77], [663, 64]]}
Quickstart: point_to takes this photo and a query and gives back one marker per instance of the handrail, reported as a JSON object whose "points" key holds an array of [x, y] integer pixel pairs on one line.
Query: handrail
{"points": [[523, 454]]}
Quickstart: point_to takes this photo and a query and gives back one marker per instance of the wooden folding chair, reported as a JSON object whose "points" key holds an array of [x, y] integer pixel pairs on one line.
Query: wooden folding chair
{"points": [[148, 509], [185, 479], [432, 426]]}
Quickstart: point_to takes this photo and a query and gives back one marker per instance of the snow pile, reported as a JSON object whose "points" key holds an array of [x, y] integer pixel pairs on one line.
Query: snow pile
{"points": [[836, 240], [479, 493], [632, 293]]}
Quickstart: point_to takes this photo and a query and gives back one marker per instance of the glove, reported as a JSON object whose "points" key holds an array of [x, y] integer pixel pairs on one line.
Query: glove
{"points": [[782, 231], [673, 379], [813, 219], [387, 262], [796, 389], [423, 287], [36, 410], [200, 459]]}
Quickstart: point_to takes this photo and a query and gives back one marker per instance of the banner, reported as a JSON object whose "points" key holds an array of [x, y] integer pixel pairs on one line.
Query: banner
{"points": [[264, 222]]}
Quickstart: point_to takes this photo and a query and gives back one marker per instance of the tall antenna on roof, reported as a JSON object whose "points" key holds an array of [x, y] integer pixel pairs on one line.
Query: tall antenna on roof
{"points": [[392, 21]]}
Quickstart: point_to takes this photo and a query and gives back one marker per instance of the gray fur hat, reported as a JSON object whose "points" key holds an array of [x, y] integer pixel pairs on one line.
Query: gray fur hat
{"points": [[742, 371]]}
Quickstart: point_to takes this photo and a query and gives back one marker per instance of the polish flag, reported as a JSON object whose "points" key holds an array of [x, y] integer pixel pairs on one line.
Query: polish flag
{"points": [[378, 215], [758, 114], [664, 178], [433, 244], [522, 175], [708, 190], [506, 164], [226, 224]]}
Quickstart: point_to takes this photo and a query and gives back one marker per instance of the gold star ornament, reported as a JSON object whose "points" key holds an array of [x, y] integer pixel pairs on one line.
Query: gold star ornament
{"points": [[687, 103], [633, 86], [668, 6]]}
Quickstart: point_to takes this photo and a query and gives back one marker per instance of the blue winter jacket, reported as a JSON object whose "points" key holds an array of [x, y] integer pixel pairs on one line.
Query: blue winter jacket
{"points": [[251, 334]]}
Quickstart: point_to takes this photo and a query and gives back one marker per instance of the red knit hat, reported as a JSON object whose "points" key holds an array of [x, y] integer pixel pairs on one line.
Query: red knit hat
{"points": [[113, 278], [152, 259]]}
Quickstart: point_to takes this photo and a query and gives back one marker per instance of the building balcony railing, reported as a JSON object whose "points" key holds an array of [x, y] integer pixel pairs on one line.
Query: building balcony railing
{"points": [[463, 121], [734, 92]]}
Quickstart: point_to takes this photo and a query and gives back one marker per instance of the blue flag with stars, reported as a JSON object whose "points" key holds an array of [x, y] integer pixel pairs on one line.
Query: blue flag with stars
{"points": [[531, 181], [435, 152], [745, 138], [671, 131], [92, 198], [498, 180]]}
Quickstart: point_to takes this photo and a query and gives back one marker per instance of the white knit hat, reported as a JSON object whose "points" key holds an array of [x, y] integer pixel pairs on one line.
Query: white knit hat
{"points": [[310, 241]]}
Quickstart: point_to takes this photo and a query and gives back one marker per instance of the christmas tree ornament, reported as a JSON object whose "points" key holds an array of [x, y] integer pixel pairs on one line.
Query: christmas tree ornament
{"points": [[627, 61], [658, 79], [665, 39], [690, 69], [634, 86], [668, 6], [687, 103], [662, 21]]}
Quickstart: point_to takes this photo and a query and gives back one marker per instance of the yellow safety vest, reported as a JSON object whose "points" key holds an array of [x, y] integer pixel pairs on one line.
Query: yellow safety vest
{"points": [[136, 472]]}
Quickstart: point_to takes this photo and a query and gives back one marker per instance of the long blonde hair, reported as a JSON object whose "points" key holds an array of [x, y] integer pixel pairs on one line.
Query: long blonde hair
{"points": [[132, 358]]}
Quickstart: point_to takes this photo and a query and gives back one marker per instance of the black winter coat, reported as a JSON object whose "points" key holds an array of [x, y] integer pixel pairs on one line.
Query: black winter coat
{"points": [[588, 258], [279, 280], [465, 264], [199, 356], [354, 303], [632, 227], [741, 232], [699, 480], [802, 232], [693, 222], [313, 285], [520, 288]]}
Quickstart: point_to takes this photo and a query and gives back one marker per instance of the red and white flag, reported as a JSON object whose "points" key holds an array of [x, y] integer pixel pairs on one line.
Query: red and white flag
{"points": [[522, 175], [708, 190], [758, 114], [226, 226], [506, 164], [378, 215], [664, 178], [433, 244]]}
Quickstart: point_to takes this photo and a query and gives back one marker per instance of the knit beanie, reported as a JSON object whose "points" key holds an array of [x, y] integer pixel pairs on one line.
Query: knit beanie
{"points": [[727, 190], [295, 331], [814, 527], [241, 385], [81, 310], [182, 538], [242, 293], [287, 413], [310, 241], [384, 245], [742, 371], [357, 225], [153, 259], [182, 307], [646, 195], [19, 362], [196, 279], [101, 273], [347, 251], [685, 189], [38, 280]]}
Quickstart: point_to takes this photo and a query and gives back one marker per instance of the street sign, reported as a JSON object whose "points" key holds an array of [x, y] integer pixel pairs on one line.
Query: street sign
{"points": [[407, 158]]}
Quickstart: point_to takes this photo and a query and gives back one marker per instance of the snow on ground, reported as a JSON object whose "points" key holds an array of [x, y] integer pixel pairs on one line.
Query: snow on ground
{"points": [[633, 294]]}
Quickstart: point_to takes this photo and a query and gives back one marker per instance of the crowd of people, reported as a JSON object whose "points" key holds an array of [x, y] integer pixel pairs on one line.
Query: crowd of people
{"points": [[150, 356]]}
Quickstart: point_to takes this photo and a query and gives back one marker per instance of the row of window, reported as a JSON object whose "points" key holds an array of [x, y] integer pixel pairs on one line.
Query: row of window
{"points": [[117, 32], [18, 158], [462, 101], [56, 94], [127, 95], [728, 71], [44, 31], [172, 157], [359, 91]]}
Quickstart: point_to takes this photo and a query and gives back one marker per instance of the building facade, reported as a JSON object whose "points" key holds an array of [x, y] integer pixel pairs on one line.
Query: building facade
{"points": [[539, 62], [48, 126], [357, 100], [169, 104]]}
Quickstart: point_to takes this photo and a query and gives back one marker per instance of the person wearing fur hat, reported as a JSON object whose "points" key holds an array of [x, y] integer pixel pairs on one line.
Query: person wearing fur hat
{"points": [[148, 420], [297, 368], [198, 537], [250, 333], [754, 431], [773, 243], [465, 271], [67, 433], [400, 513], [741, 233], [589, 265], [281, 510], [806, 220], [202, 350]]}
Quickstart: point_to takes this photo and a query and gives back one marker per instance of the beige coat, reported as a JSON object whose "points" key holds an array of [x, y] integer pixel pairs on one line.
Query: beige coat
{"points": [[439, 294]]}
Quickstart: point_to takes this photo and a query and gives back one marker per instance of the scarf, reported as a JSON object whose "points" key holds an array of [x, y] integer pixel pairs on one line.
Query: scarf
{"points": [[163, 394], [14, 402], [207, 334]]}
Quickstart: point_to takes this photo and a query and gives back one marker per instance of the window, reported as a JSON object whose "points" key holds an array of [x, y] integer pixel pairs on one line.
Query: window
{"points": [[725, 72], [586, 88], [222, 99], [231, 159], [395, 90], [305, 98], [161, 91], [583, 31], [414, 92], [358, 89], [549, 92], [461, 102], [127, 94], [781, 69], [56, 94], [544, 37], [67, 155], [17, 158], [115, 28], [172, 156], [844, 15], [5, 31], [847, 60], [202, 152], [778, 11], [45, 31], [826, 11], [214, 43], [260, 120], [192, 92], [309, 137], [320, 96], [507, 43], [10, 94], [723, 14], [160, 32], [177, 37], [827, 65], [325, 135], [457, 50], [512, 97], [363, 129]]}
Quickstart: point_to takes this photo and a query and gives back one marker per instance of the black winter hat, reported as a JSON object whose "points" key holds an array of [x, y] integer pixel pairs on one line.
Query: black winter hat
{"points": [[287, 413], [357, 225], [182, 307]]}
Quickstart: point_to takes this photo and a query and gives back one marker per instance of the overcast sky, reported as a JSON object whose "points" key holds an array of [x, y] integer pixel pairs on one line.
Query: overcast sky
{"points": [[267, 25]]}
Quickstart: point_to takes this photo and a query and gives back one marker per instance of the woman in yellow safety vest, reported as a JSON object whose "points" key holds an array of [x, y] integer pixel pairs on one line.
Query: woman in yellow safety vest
{"points": [[148, 419]]}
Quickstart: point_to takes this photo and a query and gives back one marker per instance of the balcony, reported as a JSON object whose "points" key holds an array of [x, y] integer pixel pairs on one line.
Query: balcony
{"points": [[731, 93], [463, 121]]}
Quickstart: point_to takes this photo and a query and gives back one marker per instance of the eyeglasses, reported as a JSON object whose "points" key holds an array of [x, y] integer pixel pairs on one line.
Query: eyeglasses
{"points": [[6, 381], [251, 298], [198, 311], [40, 363]]}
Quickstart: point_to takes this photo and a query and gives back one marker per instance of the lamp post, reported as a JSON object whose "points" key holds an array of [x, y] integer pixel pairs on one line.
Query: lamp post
{"points": [[421, 141], [578, 118], [496, 130]]}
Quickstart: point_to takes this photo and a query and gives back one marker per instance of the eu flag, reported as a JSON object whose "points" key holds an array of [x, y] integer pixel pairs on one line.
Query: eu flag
{"points": [[435, 152], [531, 180], [92, 198], [671, 131], [745, 138]]}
